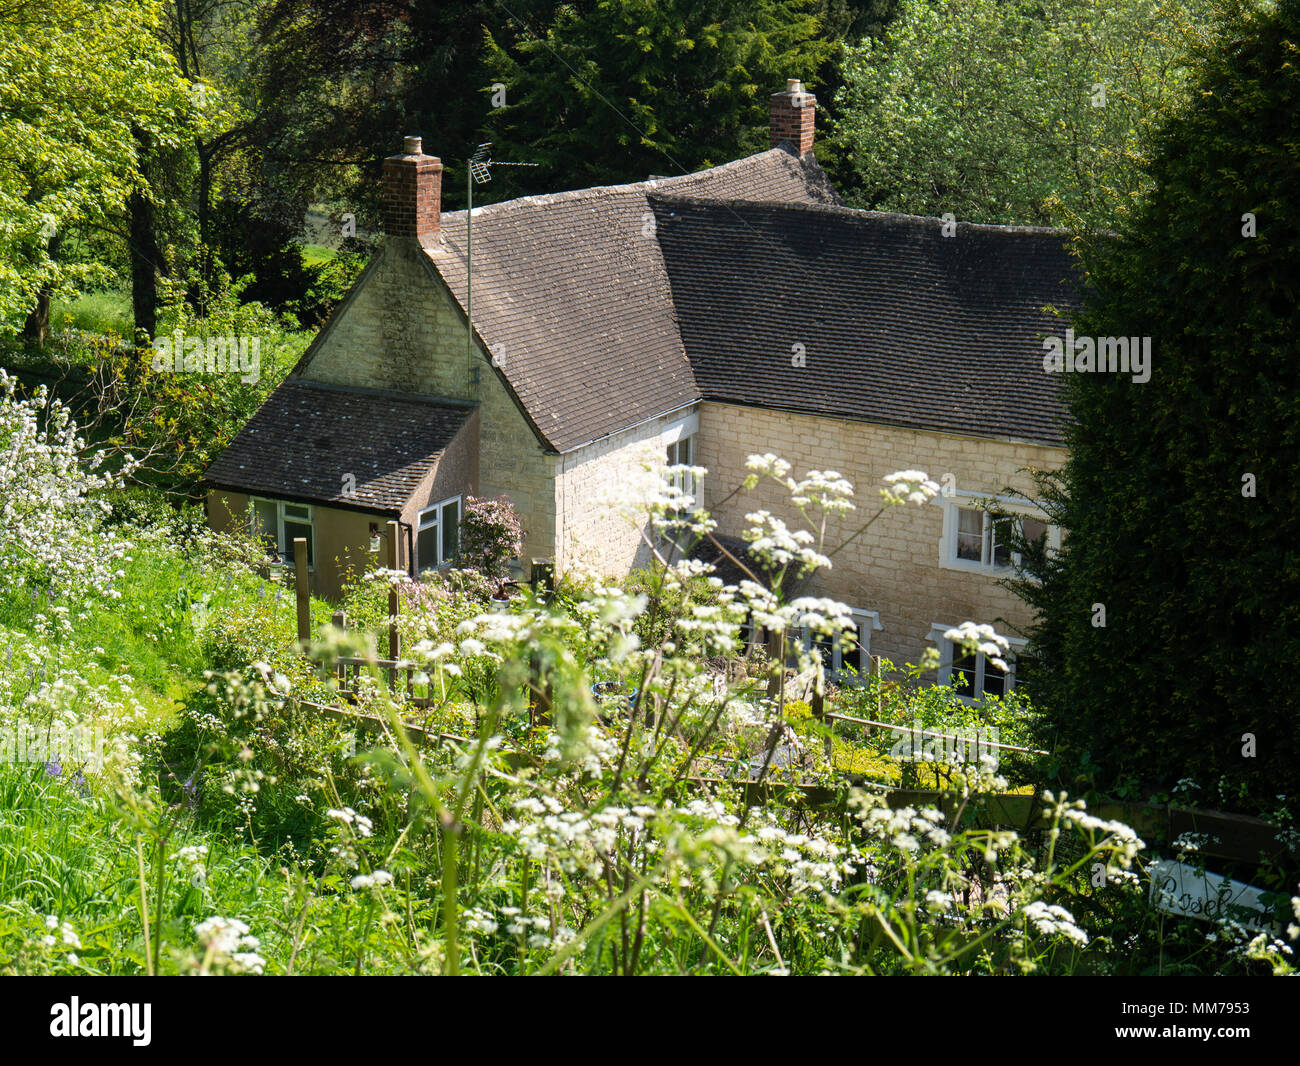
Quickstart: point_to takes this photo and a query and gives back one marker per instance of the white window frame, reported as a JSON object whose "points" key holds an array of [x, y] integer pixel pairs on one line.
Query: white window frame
{"points": [[437, 521], [687, 430], [972, 501], [687, 483], [283, 550], [867, 623], [946, 649]]}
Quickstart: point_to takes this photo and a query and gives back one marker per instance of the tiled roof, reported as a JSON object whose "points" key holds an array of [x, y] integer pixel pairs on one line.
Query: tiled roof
{"points": [[307, 436], [899, 324], [572, 286], [610, 306]]}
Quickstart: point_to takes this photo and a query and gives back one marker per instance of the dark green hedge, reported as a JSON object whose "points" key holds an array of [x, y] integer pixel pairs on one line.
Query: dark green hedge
{"points": [[1201, 584]]}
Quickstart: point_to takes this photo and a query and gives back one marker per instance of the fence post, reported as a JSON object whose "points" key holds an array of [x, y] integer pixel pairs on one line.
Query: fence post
{"points": [[873, 666], [394, 605], [539, 694], [775, 650], [301, 590], [339, 620]]}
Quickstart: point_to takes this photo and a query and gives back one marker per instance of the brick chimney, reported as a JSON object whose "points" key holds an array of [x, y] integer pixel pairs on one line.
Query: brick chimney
{"points": [[792, 115], [412, 194]]}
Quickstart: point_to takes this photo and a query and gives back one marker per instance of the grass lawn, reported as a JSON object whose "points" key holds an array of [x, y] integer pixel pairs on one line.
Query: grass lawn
{"points": [[315, 254], [95, 312]]}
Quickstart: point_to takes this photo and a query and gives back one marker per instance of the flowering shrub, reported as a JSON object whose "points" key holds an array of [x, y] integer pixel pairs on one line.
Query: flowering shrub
{"points": [[490, 535], [51, 534]]}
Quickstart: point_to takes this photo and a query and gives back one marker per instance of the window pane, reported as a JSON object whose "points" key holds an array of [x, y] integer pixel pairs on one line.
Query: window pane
{"points": [[263, 519], [970, 533], [747, 636], [684, 450], [851, 653], [1033, 529], [297, 510], [995, 681], [450, 530], [298, 529], [429, 518], [824, 648], [1020, 674], [1001, 550], [963, 671], [426, 547], [794, 640]]}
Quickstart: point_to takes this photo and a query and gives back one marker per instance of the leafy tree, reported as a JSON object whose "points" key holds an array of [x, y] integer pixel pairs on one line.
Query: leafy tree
{"points": [[175, 420], [1180, 495], [1013, 113], [81, 83], [342, 81], [615, 91]]}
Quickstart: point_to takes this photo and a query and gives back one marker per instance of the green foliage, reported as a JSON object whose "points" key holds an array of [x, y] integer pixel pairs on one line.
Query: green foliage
{"points": [[177, 422], [617, 91], [333, 276], [665, 602], [989, 110], [252, 838], [81, 82], [1197, 571], [106, 312]]}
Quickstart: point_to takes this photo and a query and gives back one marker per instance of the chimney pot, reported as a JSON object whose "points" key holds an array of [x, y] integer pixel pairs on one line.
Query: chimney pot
{"points": [[412, 194], [793, 85]]}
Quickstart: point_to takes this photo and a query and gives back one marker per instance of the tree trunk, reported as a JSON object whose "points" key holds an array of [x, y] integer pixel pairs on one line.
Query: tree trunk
{"points": [[142, 247], [36, 328], [144, 267], [205, 216]]}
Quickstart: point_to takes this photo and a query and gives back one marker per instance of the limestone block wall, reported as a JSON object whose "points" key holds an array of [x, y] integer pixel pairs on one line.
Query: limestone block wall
{"points": [[894, 567], [393, 333], [599, 493]]}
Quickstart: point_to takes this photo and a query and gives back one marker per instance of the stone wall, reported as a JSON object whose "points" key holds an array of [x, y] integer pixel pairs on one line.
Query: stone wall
{"points": [[601, 520], [894, 567]]}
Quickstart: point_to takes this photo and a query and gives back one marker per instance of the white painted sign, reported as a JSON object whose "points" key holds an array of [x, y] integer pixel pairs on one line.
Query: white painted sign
{"points": [[1178, 888]]}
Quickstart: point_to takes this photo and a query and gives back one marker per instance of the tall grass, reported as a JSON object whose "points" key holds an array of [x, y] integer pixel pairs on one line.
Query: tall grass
{"points": [[95, 312]]}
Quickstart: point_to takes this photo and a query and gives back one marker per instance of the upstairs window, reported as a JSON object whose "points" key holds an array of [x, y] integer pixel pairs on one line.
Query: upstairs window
{"points": [[974, 539], [279, 523], [438, 537]]}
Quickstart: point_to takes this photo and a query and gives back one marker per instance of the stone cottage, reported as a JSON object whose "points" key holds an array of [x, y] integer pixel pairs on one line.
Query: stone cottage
{"points": [[693, 319]]}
